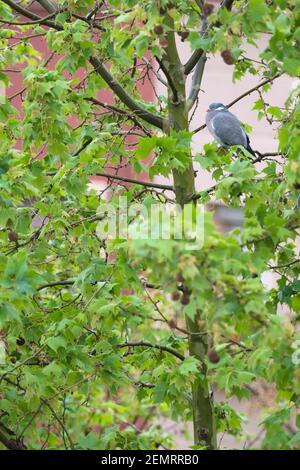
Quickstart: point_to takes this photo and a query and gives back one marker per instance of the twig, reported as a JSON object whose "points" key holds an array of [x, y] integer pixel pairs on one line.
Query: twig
{"points": [[146, 344], [133, 181], [20, 364], [246, 93], [262, 156], [117, 88], [66, 282], [33, 16], [113, 84], [60, 423], [279, 266], [261, 84], [33, 22], [11, 444], [227, 4], [169, 79], [119, 111], [157, 74], [197, 54], [97, 292]]}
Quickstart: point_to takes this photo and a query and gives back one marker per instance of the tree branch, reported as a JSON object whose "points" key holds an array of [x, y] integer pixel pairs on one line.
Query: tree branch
{"points": [[287, 265], [243, 95], [169, 78], [114, 109], [117, 88], [9, 442], [33, 22], [199, 61], [145, 344], [257, 87], [32, 16], [133, 181], [60, 422], [262, 156], [114, 85], [227, 4], [197, 54], [193, 60], [49, 6], [66, 282], [196, 82], [157, 74]]}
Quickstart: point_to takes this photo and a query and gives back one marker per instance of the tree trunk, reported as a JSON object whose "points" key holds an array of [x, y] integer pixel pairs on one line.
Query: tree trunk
{"points": [[203, 407], [184, 186]]}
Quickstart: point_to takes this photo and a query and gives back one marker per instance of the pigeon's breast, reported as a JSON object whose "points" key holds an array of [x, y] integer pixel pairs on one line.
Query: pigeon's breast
{"points": [[210, 115]]}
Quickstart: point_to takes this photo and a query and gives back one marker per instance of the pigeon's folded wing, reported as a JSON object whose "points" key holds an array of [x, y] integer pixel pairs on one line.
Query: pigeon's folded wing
{"points": [[228, 130]]}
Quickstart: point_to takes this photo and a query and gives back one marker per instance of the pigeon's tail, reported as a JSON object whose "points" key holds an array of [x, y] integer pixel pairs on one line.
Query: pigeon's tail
{"points": [[249, 149]]}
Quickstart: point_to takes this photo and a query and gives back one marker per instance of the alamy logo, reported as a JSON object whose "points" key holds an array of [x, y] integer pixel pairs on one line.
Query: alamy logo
{"points": [[296, 353], [2, 352], [151, 222], [2, 92]]}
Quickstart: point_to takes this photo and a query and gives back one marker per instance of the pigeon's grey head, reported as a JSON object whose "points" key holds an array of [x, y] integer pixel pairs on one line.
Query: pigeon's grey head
{"points": [[217, 107], [212, 111]]}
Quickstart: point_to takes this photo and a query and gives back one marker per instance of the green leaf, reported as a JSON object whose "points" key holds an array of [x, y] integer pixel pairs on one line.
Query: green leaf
{"points": [[57, 343], [188, 366]]}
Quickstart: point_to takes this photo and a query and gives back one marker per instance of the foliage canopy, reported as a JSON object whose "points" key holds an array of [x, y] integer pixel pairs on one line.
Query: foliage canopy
{"points": [[93, 330]]}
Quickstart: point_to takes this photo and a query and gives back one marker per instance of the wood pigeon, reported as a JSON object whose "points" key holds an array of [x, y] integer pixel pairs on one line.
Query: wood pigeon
{"points": [[226, 128]]}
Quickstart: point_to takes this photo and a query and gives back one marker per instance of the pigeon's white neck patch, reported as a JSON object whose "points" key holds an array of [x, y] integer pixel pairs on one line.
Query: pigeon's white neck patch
{"points": [[220, 107]]}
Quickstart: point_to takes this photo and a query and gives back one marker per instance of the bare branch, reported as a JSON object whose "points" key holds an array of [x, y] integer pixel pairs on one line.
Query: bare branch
{"points": [[145, 344], [196, 82], [117, 88], [169, 78], [133, 181], [94, 11], [193, 60], [60, 422], [25, 23], [227, 4], [264, 156], [114, 109], [9, 442], [243, 95], [197, 54], [264, 82], [32, 16], [49, 5], [287, 265], [157, 74], [63, 282]]}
